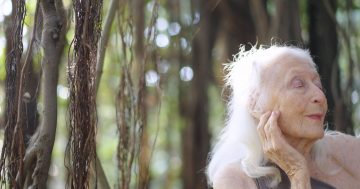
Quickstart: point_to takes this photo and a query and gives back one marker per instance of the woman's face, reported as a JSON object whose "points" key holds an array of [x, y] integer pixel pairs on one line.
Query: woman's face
{"points": [[295, 90]]}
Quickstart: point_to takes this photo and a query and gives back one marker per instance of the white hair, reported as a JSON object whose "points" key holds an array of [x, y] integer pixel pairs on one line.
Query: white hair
{"points": [[239, 141]]}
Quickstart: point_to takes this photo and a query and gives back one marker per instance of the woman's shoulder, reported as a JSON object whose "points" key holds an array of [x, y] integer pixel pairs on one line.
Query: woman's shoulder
{"points": [[344, 150], [338, 143], [233, 177]]}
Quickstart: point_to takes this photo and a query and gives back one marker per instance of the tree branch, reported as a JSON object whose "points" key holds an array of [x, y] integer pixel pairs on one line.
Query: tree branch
{"points": [[100, 174], [53, 42], [96, 167], [20, 93], [104, 41]]}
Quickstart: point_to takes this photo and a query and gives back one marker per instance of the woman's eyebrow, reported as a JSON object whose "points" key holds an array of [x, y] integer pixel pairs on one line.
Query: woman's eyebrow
{"points": [[300, 72]]}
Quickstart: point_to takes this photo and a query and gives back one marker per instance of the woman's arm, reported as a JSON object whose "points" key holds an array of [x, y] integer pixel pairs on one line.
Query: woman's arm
{"points": [[300, 180]]}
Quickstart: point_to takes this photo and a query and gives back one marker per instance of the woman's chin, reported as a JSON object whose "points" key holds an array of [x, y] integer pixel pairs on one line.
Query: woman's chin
{"points": [[317, 134], [310, 134]]}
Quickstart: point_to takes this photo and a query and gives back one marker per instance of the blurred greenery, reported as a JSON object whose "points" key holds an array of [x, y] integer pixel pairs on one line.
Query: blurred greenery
{"points": [[163, 78]]}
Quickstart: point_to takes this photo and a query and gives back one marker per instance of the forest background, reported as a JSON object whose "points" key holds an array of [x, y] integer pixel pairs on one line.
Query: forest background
{"points": [[129, 93]]}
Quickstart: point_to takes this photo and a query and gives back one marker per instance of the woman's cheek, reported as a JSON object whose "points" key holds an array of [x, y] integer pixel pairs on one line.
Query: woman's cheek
{"points": [[286, 121]]}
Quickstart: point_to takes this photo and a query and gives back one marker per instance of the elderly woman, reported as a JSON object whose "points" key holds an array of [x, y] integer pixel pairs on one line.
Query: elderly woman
{"points": [[274, 136]]}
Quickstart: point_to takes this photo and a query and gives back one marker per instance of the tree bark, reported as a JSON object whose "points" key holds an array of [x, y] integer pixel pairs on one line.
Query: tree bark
{"points": [[29, 84], [41, 145], [324, 48], [140, 58], [82, 105], [261, 19], [13, 146], [286, 23], [196, 137], [238, 26], [97, 169], [114, 5], [283, 27], [30, 102]]}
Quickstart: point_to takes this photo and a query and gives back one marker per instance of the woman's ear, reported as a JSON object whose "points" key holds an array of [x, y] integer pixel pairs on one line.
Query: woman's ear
{"points": [[254, 105]]}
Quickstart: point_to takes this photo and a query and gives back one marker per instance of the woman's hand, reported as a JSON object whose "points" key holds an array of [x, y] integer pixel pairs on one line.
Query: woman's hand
{"points": [[280, 152]]}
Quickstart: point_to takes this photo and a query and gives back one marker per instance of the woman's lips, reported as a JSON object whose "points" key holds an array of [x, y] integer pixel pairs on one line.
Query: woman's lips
{"points": [[317, 117]]}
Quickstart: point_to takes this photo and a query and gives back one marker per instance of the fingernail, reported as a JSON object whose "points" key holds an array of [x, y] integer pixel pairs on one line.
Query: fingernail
{"points": [[273, 113]]}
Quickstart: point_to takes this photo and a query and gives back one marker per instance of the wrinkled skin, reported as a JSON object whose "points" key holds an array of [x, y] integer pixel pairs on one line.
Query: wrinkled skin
{"points": [[290, 121], [294, 116], [295, 90]]}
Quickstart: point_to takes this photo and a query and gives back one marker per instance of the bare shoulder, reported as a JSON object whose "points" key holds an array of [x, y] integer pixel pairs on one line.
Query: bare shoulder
{"points": [[341, 143], [232, 177], [344, 150]]}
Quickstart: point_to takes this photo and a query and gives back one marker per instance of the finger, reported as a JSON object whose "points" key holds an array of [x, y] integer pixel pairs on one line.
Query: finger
{"points": [[273, 123], [263, 120], [268, 126], [276, 138], [272, 131]]}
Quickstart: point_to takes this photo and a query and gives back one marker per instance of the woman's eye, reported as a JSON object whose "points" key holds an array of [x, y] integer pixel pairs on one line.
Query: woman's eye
{"points": [[297, 83]]}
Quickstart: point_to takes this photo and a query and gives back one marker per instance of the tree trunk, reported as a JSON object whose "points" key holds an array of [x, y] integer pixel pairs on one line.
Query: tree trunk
{"points": [[138, 8], [322, 29], [82, 107], [196, 138], [13, 146], [31, 82], [30, 102], [97, 171], [286, 23], [283, 27], [237, 28], [40, 148], [238, 25]]}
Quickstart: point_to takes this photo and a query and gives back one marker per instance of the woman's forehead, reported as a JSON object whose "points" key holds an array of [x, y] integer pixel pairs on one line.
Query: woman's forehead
{"points": [[289, 64], [289, 59], [303, 71]]}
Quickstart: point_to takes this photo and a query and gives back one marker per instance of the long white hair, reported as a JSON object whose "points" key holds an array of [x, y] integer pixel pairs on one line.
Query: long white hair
{"points": [[239, 142]]}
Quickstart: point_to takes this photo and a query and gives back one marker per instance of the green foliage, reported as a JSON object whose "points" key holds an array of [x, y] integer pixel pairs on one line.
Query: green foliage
{"points": [[164, 122], [2, 63]]}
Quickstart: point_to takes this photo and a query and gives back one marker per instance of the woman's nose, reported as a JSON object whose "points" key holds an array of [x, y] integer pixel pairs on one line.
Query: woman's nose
{"points": [[318, 96]]}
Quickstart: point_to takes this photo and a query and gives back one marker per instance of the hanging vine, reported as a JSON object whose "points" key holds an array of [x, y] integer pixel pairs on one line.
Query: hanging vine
{"points": [[13, 147], [82, 108], [130, 100]]}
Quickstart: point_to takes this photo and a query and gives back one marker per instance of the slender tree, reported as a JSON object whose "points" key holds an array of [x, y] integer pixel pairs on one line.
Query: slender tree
{"points": [[38, 154], [196, 137], [238, 26], [13, 148], [130, 100], [325, 34], [283, 26], [98, 173]]}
